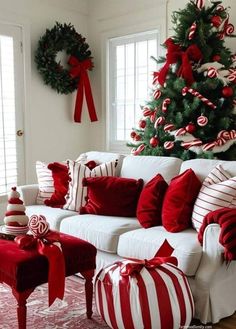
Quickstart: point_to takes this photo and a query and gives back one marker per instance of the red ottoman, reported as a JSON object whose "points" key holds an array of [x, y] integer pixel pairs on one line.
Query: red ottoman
{"points": [[24, 270], [144, 294]]}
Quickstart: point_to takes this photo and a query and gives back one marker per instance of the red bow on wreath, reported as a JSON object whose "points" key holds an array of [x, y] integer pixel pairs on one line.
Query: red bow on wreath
{"points": [[79, 70], [175, 53], [47, 244]]}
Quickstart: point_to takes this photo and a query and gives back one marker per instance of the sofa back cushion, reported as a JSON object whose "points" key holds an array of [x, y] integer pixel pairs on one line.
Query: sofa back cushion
{"points": [[202, 167], [146, 167]]}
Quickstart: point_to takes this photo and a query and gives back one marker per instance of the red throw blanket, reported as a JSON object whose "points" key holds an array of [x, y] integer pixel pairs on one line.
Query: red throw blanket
{"points": [[226, 218]]}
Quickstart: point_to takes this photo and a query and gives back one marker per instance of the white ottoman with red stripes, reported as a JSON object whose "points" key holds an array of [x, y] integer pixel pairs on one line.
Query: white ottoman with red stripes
{"points": [[152, 294]]}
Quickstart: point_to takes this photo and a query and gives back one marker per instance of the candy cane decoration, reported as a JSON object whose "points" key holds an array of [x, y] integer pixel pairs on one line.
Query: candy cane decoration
{"points": [[153, 116], [192, 31], [155, 78], [180, 132], [195, 93], [169, 127], [195, 142], [212, 72], [157, 94], [147, 111], [165, 104], [138, 150], [232, 76], [200, 4], [159, 121], [169, 145]]}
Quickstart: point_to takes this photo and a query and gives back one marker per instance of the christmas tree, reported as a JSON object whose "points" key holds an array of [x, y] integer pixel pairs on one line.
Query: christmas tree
{"points": [[191, 112]]}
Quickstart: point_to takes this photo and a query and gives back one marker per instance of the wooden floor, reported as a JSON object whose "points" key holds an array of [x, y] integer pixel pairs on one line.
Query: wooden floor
{"points": [[227, 323]]}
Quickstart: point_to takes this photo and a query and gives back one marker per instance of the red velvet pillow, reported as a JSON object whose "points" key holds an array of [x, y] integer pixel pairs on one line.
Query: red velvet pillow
{"points": [[150, 202], [179, 201], [61, 184], [112, 196]]}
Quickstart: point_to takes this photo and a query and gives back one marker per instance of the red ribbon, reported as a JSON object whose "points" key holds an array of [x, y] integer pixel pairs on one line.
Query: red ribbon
{"points": [[48, 247], [79, 70], [136, 266], [174, 54]]}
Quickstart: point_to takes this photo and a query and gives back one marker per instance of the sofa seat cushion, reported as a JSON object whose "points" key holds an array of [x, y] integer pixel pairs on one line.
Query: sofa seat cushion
{"points": [[144, 243], [54, 216], [102, 231]]}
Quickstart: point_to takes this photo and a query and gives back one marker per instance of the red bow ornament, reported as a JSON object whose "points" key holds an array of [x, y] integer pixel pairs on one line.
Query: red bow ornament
{"points": [[47, 244], [175, 54], [79, 70]]}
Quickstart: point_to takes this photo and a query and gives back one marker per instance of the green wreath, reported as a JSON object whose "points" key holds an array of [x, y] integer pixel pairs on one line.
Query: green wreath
{"points": [[60, 37]]}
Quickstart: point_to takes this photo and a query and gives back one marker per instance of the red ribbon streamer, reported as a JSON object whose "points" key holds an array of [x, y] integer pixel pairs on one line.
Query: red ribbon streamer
{"points": [[47, 246], [79, 70], [174, 54]]}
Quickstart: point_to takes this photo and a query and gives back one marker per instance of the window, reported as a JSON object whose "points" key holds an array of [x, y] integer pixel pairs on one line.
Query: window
{"points": [[11, 128], [130, 79]]}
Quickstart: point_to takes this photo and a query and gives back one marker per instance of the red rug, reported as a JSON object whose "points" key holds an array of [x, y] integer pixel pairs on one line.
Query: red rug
{"points": [[67, 314]]}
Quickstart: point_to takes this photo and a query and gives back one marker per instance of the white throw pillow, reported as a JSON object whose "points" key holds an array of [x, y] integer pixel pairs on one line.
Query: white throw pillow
{"points": [[76, 197], [218, 191], [45, 182]]}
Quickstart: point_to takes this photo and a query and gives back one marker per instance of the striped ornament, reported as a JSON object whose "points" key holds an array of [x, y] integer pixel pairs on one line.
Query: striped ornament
{"points": [[138, 150], [218, 191], [76, 197], [156, 94], [199, 3], [192, 31], [157, 297], [159, 121]]}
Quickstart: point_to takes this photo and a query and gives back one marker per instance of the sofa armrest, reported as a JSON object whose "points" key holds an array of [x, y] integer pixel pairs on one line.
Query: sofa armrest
{"points": [[212, 258], [28, 193]]}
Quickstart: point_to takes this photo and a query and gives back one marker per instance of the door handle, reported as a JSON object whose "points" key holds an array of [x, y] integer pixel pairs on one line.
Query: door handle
{"points": [[20, 132]]}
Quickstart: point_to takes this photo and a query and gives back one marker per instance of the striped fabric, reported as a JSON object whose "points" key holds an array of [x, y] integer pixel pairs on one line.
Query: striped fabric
{"points": [[45, 182], [157, 298], [77, 194], [218, 191]]}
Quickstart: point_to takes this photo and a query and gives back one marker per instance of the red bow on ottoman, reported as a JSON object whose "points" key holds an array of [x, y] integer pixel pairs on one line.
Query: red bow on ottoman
{"points": [[47, 244]]}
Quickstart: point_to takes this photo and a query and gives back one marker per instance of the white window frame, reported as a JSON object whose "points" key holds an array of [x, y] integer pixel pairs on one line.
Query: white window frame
{"points": [[115, 144]]}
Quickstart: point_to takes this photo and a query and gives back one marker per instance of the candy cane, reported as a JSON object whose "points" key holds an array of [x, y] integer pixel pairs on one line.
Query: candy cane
{"points": [[138, 150], [169, 127], [232, 76], [169, 145], [195, 142], [147, 111], [192, 31], [155, 78], [212, 72], [153, 116], [180, 132], [195, 93], [157, 94], [200, 4], [165, 104], [159, 121]]}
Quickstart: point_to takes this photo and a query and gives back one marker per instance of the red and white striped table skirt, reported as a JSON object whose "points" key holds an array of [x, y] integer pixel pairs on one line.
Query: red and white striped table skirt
{"points": [[153, 298]]}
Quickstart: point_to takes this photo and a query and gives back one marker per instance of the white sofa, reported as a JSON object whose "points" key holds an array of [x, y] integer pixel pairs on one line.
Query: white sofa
{"points": [[212, 281]]}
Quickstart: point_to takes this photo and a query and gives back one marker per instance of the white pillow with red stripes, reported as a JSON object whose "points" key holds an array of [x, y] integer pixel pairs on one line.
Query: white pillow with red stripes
{"points": [[76, 196], [45, 182], [218, 191]]}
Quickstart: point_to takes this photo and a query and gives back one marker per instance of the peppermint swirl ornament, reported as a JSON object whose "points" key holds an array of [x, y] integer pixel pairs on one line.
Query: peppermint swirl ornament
{"points": [[212, 72], [38, 226], [202, 121]]}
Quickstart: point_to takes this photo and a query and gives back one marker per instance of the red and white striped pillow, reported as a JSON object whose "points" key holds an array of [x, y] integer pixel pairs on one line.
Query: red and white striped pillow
{"points": [[45, 182], [76, 197], [218, 191]]}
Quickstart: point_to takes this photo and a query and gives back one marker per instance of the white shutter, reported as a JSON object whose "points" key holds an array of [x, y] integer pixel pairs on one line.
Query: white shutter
{"points": [[11, 146]]}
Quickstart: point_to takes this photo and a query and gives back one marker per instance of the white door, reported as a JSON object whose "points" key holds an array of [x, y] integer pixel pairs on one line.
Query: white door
{"points": [[12, 170]]}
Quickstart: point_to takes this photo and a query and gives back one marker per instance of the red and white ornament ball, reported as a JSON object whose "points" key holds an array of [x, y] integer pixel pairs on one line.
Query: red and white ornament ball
{"points": [[169, 145], [154, 141], [190, 128], [202, 121], [142, 124], [227, 91]]}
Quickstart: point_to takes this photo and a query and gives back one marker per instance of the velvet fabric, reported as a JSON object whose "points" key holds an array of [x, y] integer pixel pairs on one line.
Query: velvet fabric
{"points": [[61, 178], [25, 269], [179, 201], [112, 196], [150, 202]]}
